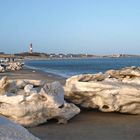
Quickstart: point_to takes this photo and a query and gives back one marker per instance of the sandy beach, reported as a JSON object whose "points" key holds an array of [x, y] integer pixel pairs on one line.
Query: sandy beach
{"points": [[88, 125], [27, 73]]}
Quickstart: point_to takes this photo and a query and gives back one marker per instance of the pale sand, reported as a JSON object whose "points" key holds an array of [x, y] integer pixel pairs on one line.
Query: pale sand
{"points": [[88, 125], [33, 74]]}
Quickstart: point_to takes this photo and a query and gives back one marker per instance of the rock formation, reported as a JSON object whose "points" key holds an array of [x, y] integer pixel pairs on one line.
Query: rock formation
{"points": [[2, 69], [114, 90], [33, 102], [13, 131]]}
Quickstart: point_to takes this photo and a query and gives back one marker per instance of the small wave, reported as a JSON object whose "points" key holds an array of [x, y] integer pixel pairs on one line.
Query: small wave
{"points": [[67, 68], [50, 71]]}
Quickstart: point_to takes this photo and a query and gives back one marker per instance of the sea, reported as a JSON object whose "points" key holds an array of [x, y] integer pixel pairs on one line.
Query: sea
{"points": [[69, 67]]}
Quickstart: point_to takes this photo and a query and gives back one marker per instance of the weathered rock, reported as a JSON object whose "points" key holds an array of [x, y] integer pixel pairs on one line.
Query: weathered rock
{"points": [[115, 90], [31, 105], [54, 94], [29, 89], [13, 131], [4, 84], [2, 69], [35, 82], [22, 83]]}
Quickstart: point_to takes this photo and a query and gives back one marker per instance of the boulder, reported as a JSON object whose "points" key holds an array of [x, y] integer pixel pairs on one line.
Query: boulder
{"points": [[33, 104], [3, 85], [12, 131], [2, 69], [112, 91]]}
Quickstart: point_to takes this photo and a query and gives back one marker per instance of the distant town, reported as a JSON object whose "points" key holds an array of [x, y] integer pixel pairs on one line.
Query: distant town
{"points": [[43, 56]]}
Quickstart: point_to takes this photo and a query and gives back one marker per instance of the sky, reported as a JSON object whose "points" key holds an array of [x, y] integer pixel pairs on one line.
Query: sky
{"points": [[70, 26]]}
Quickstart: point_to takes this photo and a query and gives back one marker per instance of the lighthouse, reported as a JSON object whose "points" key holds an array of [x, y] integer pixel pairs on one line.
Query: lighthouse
{"points": [[31, 49]]}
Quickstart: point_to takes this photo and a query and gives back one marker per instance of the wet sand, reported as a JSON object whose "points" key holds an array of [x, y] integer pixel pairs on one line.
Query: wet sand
{"points": [[88, 125], [92, 125]]}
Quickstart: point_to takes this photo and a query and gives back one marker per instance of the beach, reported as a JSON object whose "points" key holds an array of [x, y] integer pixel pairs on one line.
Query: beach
{"points": [[88, 125], [27, 73], [92, 125]]}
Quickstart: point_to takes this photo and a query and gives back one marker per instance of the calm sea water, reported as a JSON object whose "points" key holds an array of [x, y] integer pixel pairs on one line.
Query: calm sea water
{"points": [[70, 67]]}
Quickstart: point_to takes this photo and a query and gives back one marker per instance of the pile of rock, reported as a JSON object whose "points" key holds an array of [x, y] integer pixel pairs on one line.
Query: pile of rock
{"points": [[14, 66], [33, 102], [115, 90]]}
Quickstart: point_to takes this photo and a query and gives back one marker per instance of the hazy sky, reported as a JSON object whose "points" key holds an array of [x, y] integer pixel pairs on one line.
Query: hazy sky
{"points": [[70, 26]]}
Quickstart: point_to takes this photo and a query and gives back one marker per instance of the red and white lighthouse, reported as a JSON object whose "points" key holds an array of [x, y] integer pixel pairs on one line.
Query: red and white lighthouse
{"points": [[31, 48]]}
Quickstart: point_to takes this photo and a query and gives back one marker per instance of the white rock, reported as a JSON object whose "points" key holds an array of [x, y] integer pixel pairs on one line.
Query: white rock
{"points": [[35, 82], [54, 94], [20, 83], [113, 91], [4, 84], [11, 99], [2, 69], [30, 107], [13, 131], [28, 88]]}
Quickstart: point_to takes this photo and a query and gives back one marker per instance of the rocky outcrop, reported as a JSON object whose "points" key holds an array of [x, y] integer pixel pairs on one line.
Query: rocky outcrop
{"points": [[115, 90], [13, 131], [33, 102]]}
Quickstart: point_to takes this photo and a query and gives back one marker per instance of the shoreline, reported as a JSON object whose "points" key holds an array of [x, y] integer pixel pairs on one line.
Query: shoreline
{"points": [[47, 72], [28, 73], [75, 58]]}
